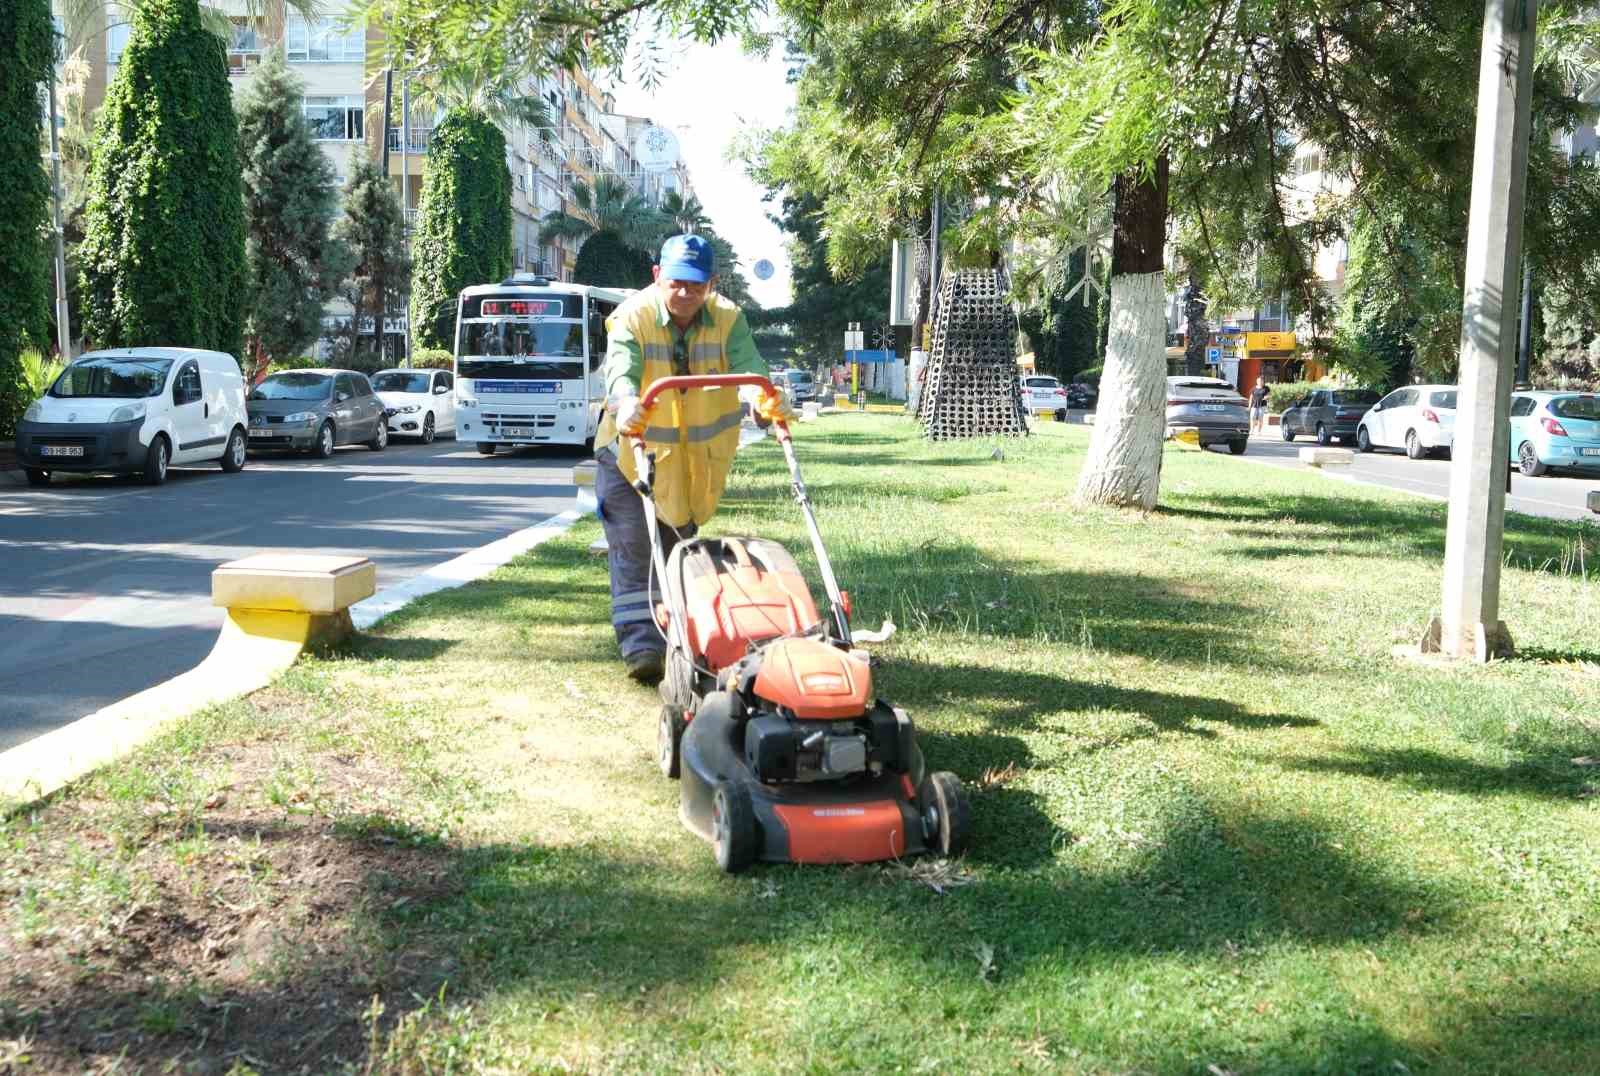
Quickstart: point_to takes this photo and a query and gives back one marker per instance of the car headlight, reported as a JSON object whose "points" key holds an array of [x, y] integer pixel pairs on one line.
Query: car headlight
{"points": [[35, 409], [408, 409], [300, 416], [127, 413]]}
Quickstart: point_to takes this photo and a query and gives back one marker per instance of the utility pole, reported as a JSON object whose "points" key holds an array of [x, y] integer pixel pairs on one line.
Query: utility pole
{"points": [[405, 195], [1470, 624], [63, 330], [1525, 337]]}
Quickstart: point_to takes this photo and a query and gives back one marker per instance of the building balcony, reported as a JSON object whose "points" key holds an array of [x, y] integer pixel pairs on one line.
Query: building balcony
{"points": [[417, 140]]}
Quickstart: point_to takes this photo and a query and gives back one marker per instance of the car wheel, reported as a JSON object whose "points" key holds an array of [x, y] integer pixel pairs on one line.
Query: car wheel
{"points": [[427, 429], [733, 827], [1323, 437], [1283, 428], [380, 440], [1363, 439], [233, 455], [325, 442], [485, 448], [946, 817], [37, 476], [1238, 447], [1528, 461], [156, 458], [1414, 449]]}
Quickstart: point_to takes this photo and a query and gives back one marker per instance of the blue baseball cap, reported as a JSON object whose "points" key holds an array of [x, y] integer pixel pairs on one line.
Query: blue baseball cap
{"points": [[687, 257]]}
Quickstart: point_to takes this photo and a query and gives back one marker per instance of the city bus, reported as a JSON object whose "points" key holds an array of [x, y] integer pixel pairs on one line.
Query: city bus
{"points": [[528, 353]]}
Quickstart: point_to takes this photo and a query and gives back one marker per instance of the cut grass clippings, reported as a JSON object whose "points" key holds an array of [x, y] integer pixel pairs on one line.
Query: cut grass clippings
{"points": [[1217, 825]]}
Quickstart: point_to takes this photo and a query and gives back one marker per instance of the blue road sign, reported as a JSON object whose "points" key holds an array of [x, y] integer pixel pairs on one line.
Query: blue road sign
{"points": [[1213, 354]]}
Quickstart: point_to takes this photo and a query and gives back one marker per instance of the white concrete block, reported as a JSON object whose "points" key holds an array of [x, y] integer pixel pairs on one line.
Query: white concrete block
{"points": [[1327, 457]]}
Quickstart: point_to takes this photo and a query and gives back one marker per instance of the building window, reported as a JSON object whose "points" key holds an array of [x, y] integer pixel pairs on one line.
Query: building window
{"points": [[335, 119], [323, 41], [116, 41]]}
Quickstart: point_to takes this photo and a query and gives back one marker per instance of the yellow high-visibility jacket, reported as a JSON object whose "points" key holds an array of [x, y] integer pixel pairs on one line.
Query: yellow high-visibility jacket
{"points": [[694, 435]]}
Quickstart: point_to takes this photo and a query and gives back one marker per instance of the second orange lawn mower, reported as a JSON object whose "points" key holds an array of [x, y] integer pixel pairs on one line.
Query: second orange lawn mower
{"points": [[769, 718]]}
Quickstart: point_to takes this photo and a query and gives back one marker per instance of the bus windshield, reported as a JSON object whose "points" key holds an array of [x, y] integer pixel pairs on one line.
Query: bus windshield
{"points": [[521, 349]]}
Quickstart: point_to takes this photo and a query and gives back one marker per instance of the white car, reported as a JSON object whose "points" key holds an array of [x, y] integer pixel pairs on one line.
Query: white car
{"points": [[1418, 418], [1043, 393], [419, 403], [136, 410]]}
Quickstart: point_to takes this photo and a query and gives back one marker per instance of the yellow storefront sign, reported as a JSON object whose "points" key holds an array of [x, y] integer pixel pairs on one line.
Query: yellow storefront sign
{"points": [[1268, 345]]}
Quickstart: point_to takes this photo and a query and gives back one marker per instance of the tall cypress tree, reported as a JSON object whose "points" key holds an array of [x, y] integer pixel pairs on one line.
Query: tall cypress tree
{"points": [[373, 230], [294, 263], [27, 49], [163, 255], [463, 234]]}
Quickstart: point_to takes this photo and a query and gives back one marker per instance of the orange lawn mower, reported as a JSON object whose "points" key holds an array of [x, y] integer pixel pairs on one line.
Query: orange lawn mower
{"points": [[769, 718]]}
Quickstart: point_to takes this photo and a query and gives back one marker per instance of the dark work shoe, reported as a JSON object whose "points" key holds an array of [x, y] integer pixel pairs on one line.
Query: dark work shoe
{"points": [[645, 666]]}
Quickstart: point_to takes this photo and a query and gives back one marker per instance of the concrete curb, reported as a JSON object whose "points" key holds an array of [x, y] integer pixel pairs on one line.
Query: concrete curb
{"points": [[237, 665]]}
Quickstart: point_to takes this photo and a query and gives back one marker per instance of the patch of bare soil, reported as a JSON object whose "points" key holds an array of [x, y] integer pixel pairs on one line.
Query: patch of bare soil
{"points": [[255, 934]]}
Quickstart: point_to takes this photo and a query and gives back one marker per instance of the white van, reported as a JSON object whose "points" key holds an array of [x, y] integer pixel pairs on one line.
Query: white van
{"points": [[136, 410]]}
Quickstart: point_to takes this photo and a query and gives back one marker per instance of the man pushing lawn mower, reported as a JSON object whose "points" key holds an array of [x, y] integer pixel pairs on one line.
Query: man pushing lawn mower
{"points": [[679, 326]]}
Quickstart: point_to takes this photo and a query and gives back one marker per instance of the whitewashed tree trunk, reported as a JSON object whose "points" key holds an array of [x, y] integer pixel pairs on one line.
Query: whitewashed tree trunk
{"points": [[1124, 464]]}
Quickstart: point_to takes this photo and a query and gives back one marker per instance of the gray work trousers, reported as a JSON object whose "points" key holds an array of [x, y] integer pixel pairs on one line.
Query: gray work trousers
{"points": [[628, 554]]}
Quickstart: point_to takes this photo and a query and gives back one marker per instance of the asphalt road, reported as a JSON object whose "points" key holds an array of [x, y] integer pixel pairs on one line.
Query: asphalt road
{"points": [[107, 582], [1558, 496]]}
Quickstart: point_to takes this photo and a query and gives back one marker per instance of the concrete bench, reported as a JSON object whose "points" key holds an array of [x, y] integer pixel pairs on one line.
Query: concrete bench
{"points": [[1327, 457]]}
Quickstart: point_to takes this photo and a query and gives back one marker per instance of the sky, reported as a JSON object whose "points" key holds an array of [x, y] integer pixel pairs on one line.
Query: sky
{"points": [[709, 93]]}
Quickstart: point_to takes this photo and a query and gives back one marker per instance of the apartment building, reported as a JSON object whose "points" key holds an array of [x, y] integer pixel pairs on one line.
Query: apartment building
{"points": [[344, 101], [1269, 341]]}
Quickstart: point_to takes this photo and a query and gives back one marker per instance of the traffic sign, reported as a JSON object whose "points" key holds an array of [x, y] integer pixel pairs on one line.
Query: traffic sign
{"points": [[1213, 354]]}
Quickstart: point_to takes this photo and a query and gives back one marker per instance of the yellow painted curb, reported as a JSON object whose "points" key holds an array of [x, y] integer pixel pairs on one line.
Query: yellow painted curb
{"points": [[254, 646]]}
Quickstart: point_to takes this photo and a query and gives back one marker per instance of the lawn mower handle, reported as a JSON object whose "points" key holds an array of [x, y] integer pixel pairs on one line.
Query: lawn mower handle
{"points": [[682, 383]]}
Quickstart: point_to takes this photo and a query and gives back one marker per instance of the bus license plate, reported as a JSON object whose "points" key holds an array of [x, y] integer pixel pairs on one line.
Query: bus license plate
{"points": [[513, 431], [60, 450], [1589, 451]]}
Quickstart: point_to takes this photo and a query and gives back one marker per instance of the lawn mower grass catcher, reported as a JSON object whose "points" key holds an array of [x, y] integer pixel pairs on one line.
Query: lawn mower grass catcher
{"points": [[769, 717]]}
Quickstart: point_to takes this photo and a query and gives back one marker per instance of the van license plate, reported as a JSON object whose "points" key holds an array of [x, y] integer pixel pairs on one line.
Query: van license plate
{"points": [[61, 450], [513, 431]]}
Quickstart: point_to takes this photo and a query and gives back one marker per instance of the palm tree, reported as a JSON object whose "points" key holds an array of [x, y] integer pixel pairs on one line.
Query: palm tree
{"points": [[609, 205], [686, 213]]}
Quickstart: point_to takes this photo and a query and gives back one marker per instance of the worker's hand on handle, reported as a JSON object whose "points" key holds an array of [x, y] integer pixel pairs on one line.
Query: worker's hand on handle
{"points": [[774, 408], [631, 416]]}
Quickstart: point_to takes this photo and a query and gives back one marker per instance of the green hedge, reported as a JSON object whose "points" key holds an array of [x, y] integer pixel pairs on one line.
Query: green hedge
{"points": [[1283, 395]]}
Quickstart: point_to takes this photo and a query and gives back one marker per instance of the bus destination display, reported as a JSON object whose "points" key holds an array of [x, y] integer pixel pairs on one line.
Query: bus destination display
{"points": [[521, 308]]}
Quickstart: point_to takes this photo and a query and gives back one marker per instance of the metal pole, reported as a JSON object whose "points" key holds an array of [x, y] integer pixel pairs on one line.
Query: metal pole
{"points": [[1469, 624], [405, 192], [388, 93], [1525, 337], [63, 329]]}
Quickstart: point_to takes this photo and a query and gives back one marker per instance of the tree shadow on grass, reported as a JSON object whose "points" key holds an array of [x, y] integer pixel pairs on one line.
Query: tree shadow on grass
{"points": [[1548, 777], [1536, 544]]}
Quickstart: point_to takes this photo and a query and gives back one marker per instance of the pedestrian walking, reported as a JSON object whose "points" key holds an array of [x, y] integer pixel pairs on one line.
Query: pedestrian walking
{"points": [[1258, 406]]}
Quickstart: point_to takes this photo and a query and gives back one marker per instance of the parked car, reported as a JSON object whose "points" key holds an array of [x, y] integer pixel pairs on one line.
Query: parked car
{"points": [[315, 411], [800, 385], [1418, 418], [1044, 393], [136, 410], [417, 403], [1555, 429], [1211, 409], [1327, 414]]}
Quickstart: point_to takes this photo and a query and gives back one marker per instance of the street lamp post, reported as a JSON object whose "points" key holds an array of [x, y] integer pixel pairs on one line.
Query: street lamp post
{"points": [[1470, 624], [63, 329]]}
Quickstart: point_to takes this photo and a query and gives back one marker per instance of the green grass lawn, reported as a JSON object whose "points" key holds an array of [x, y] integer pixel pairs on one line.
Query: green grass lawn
{"points": [[1218, 826]]}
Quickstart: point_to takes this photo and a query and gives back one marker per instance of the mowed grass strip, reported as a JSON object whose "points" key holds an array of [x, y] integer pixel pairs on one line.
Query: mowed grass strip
{"points": [[1217, 822]]}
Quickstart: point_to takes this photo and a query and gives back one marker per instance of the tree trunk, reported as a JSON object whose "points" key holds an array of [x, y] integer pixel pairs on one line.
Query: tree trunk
{"points": [[1198, 333], [1124, 462]]}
